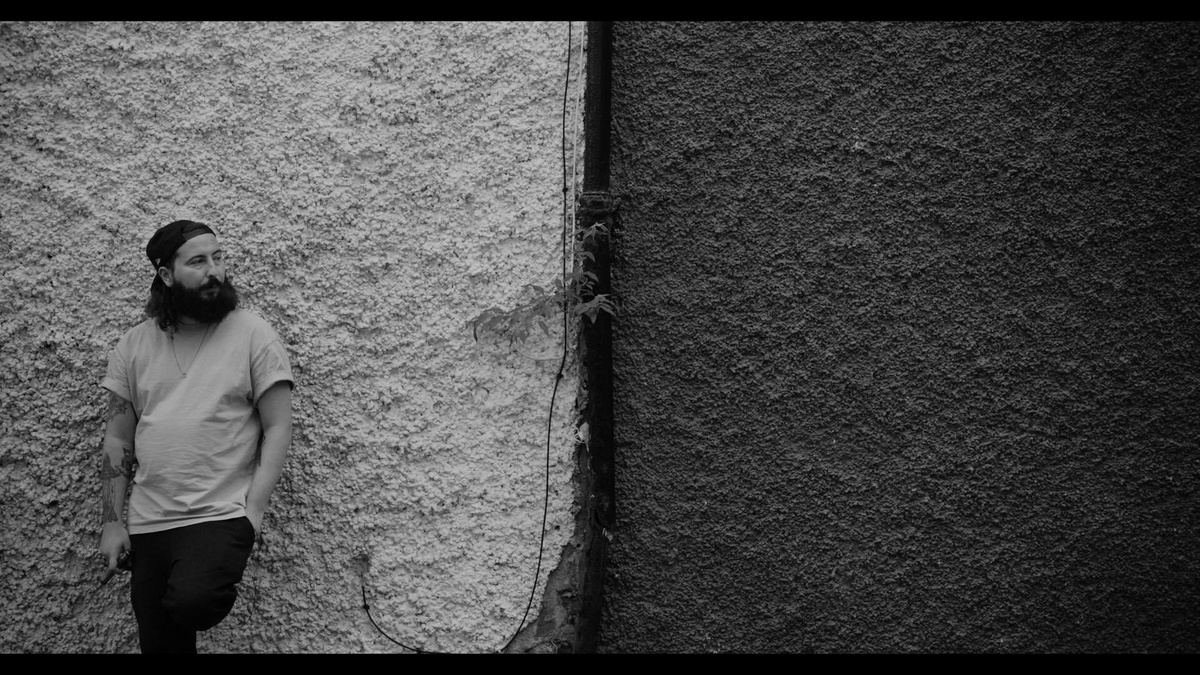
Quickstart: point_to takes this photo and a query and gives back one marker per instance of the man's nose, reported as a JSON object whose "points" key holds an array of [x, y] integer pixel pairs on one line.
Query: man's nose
{"points": [[216, 270]]}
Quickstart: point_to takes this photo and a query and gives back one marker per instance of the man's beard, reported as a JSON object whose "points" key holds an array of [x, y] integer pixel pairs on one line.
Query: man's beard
{"points": [[190, 303]]}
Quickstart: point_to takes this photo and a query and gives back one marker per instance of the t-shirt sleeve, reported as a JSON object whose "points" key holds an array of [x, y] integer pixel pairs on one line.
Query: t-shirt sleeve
{"points": [[116, 379], [270, 365]]}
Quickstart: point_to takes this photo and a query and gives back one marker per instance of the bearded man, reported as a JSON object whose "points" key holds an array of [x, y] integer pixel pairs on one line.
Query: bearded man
{"points": [[199, 419]]}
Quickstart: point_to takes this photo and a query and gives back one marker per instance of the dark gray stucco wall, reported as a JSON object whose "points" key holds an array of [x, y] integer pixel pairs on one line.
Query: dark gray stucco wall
{"points": [[908, 352]]}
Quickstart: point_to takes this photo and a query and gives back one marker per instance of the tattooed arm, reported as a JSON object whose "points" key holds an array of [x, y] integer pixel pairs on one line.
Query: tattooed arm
{"points": [[116, 470]]}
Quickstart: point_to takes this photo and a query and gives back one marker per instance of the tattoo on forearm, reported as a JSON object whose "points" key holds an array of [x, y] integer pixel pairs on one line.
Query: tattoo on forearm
{"points": [[127, 460], [108, 486]]}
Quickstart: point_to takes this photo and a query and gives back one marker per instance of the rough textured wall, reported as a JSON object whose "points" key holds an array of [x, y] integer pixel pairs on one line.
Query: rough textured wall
{"points": [[376, 185], [908, 357]]}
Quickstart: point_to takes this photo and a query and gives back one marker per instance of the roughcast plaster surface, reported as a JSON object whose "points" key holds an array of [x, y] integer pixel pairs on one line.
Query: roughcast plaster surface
{"points": [[909, 351], [376, 185]]}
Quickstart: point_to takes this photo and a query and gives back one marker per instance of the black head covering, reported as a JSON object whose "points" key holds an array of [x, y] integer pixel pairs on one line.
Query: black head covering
{"points": [[167, 240]]}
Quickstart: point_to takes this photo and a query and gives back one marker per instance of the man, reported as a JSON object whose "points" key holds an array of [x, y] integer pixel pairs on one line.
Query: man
{"points": [[199, 418]]}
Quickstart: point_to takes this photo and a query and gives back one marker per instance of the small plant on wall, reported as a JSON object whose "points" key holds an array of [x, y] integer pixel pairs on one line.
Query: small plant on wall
{"points": [[574, 296]]}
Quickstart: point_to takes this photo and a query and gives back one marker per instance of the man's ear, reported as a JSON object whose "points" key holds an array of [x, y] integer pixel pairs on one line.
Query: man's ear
{"points": [[165, 274]]}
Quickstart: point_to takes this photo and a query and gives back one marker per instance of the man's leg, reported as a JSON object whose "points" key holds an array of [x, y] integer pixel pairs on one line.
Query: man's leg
{"points": [[158, 633], [209, 561]]}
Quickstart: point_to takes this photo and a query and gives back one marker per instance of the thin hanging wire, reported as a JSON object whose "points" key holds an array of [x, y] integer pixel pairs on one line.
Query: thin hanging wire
{"points": [[566, 220]]}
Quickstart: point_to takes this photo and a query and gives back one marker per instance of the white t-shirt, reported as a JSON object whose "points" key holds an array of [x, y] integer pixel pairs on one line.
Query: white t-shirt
{"points": [[198, 436]]}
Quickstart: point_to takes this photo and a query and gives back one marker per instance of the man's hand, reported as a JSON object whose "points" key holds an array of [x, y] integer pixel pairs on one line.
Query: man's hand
{"points": [[114, 543]]}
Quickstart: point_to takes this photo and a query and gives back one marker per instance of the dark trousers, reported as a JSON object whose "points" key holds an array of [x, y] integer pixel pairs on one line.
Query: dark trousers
{"points": [[185, 580]]}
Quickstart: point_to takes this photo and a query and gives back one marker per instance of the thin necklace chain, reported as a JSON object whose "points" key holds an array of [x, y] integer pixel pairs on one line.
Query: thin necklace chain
{"points": [[181, 370]]}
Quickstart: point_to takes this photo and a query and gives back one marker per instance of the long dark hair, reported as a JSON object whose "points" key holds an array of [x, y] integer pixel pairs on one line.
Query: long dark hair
{"points": [[159, 307]]}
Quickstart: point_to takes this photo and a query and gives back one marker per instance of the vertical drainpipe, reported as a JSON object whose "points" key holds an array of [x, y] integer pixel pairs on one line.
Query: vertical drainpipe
{"points": [[597, 205]]}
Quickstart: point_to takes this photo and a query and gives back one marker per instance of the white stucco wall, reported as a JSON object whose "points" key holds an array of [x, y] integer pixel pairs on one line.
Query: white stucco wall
{"points": [[377, 185]]}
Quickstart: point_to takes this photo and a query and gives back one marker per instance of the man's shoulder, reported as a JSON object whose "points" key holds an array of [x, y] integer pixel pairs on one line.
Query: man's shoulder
{"points": [[145, 328]]}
